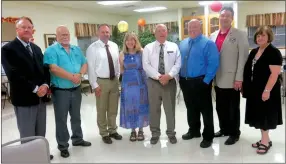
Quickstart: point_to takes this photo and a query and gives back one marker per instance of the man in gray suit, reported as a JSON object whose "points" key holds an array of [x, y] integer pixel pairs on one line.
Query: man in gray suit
{"points": [[233, 46]]}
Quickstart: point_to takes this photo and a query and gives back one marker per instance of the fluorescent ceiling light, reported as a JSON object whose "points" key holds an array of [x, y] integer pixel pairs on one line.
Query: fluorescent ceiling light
{"points": [[202, 3], [114, 2], [150, 9]]}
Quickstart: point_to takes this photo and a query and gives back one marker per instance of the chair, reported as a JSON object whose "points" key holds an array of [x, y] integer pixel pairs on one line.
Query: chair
{"points": [[35, 151], [4, 90], [85, 84]]}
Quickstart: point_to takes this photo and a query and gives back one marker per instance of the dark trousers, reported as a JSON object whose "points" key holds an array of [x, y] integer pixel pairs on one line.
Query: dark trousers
{"points": [[228, 110], [67, 101], [31, 120], [197, 97]]}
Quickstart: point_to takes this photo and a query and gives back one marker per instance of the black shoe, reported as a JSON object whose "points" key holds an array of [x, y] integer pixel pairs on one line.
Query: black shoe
{"points": [[51, 157], [220, 134], [206, 144], [65, 153], [116, 136], [107, 140], [154, 140], [83, 143], [189, 136], [231, 140], [173, 139]]}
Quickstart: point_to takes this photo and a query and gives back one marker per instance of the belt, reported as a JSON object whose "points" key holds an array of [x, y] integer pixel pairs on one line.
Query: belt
{"points": [[192, 78], [65, 89]]}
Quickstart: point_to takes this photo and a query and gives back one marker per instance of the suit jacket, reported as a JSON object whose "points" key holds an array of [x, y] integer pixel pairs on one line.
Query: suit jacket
{"points": [[24, 72], [233, 56]]}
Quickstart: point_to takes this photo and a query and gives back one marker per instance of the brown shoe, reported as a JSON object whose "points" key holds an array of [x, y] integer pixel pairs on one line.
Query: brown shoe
{"points": [[116, 136], [172, 139], [107, 140]]}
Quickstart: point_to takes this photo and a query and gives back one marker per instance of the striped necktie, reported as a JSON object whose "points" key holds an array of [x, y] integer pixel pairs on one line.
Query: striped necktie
{"points": [[161, 60], [28, 47]]}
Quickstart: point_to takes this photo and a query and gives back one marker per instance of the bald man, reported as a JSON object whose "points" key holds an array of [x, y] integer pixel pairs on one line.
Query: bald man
{"points": [[162, 63], [22, 61], [200, 60], [67, 64]]}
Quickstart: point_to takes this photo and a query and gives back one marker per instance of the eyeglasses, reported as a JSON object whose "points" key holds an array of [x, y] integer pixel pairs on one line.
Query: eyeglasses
{"points": [[28, 28]]}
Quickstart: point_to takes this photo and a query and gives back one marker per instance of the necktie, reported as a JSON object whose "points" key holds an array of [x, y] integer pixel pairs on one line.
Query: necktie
{"points": [[28, 47], [161, 60], [186, 58], [110, 62]]}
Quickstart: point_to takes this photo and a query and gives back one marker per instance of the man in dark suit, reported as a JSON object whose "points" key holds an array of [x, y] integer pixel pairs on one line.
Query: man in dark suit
{"points": [[29, 80]]}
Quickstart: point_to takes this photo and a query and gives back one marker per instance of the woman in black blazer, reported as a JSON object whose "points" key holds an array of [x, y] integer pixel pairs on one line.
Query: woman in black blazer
{"points": [[261, 87]]}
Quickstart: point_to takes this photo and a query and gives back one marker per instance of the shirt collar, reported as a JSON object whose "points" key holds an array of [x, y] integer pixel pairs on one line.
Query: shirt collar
{"points": [[225, 32], [158, 43], [103, 44], [24, 43], [196, 38], [71, 47]]}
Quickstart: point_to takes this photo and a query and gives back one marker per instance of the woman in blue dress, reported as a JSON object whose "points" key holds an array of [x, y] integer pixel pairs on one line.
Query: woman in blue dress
{"points": [[134, 107]]}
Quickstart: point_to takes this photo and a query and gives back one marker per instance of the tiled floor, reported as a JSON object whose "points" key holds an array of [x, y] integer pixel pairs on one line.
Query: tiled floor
{"points": [[125, 151]]}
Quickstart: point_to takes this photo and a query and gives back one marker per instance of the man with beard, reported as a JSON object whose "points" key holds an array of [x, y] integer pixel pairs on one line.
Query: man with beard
{"points": [[67, 65]]}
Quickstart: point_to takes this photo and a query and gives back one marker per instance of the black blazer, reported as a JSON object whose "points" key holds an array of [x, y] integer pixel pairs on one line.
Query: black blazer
{"points": [[24, 72]]}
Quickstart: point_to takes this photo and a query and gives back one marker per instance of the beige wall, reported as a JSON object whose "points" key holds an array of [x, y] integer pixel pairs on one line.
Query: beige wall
{"points": [[8, 31], [257, 7], [47, 17]]}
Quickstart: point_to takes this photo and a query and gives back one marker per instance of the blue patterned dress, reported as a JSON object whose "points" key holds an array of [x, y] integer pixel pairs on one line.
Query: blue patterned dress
{"points": [[134, 107]]}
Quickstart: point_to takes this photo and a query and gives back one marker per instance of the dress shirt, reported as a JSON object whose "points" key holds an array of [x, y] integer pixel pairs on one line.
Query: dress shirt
{"points": [[72, 63], [172, 59], [25, 45], [98, 61], [220, 39], [203, 58]]}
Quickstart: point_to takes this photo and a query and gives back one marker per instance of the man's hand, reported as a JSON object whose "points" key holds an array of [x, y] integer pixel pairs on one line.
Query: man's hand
{"points": [[42, 91], [237, 85], [164, 79], [76, 78], [97, 91]]}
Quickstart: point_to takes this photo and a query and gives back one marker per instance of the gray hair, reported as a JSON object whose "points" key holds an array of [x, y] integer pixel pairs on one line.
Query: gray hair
{"points": [[195, 20], [161, 25]]}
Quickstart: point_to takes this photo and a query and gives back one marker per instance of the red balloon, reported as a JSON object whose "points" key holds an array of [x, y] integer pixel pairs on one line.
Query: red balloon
{"points": [[216, 6]]}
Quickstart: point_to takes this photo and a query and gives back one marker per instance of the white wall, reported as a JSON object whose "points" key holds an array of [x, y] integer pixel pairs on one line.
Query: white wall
{"points": [[46, 18]]}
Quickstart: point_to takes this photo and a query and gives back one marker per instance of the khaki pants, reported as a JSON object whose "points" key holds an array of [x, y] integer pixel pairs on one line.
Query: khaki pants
{"points": [[107, 105], [158, 94]]}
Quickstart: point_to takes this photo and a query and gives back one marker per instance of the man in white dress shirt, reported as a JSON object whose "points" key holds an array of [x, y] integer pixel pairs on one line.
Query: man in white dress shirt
{"points": [[103, 74], [162, 63]]}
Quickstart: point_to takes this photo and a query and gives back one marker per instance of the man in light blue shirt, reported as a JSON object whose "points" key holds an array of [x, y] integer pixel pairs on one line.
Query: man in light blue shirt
{"points": [[67, 64], [200, 60]]}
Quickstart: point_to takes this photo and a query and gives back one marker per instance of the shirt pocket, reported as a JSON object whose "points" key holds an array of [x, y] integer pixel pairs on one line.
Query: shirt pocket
{"points": [[171, 54], [63, 59]]}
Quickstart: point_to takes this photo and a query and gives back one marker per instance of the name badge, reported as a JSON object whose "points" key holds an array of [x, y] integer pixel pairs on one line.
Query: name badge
{"points": [[232, 40]]}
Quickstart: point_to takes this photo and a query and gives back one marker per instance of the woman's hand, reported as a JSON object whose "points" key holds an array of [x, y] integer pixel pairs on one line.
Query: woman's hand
{"points": [[265, 96]]}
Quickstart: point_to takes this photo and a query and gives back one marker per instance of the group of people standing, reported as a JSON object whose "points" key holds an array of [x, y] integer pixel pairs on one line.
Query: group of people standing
{"points": [[149, 79]]}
